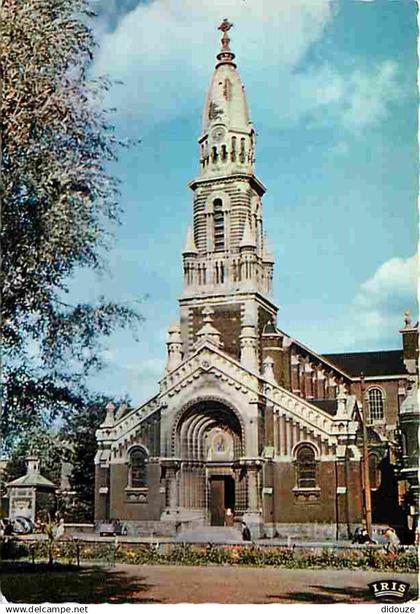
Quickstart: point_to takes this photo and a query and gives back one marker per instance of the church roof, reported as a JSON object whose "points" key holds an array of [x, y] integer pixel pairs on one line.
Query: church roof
{"points": [[386, 362], [328, 405]]}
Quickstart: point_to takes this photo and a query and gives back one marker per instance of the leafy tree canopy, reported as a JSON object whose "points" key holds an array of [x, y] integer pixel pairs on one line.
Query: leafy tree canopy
{"points": [[60, 202]]}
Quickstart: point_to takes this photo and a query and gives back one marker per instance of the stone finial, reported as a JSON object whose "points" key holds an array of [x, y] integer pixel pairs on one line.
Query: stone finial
{"points": [[121, 411], [342, 396], [408, 322], [342, 392], [248, 239], [190, 248], [208, 331], [208, 313], [32, 464], [267, 253], [174, 333], [110, 415], [224, 27], [267, 369], [410, 404], [225, 56]]}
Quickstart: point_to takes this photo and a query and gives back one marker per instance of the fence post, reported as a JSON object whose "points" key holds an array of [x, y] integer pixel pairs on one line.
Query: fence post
{"points": [[115, 551], [77, 552], [32, 552]]}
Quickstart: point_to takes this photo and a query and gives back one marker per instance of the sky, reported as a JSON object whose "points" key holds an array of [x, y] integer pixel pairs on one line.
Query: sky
{"points": [[332, 93]]}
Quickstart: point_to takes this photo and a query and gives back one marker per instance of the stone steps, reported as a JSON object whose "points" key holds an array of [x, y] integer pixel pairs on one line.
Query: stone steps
{"points": [[208, 534]]}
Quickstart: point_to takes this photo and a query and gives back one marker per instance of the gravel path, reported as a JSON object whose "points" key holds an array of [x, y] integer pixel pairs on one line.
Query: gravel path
{"points": [[173, 584]]}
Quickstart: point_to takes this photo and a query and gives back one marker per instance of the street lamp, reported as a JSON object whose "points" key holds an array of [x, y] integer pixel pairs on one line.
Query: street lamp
{"points": [[365, 464]]}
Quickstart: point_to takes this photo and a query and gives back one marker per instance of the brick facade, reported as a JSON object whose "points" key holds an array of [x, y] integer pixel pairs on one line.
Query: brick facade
{"points": [[247, 418]]}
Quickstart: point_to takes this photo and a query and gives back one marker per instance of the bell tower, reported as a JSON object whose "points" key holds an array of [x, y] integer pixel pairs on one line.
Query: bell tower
{"points": [[227, 262]]}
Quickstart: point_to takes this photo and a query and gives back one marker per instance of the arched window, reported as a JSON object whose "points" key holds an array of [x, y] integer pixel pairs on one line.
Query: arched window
{"points": [[306, 467], [219, 225], [138, 468], [376, 404]]}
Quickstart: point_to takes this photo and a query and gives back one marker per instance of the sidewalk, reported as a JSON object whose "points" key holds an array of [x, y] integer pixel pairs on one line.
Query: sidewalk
{"points": [[153, 539]]}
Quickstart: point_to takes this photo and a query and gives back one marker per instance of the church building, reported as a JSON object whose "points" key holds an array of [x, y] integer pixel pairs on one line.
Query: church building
{"points": [[247, 419]]}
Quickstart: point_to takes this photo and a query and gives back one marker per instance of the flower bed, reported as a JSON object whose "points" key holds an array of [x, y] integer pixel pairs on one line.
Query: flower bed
{"points": [[173, 554]]}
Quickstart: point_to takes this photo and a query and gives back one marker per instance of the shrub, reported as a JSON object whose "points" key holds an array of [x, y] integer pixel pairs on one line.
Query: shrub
{"points": [[405, 560]]}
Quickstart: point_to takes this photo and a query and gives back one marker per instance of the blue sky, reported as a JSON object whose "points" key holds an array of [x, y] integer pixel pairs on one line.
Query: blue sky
{"points": [[332, 92]]}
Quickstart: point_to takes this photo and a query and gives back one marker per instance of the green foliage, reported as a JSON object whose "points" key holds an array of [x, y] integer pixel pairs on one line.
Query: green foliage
{"points": [[49, 447], [188, 554], [60, 203], [80, 425]]}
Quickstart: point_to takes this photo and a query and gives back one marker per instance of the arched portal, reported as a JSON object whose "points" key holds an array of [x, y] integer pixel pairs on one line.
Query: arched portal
{"points": [[208, 439]]}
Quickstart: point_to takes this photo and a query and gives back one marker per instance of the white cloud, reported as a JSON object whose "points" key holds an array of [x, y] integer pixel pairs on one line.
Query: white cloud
{"points": [[163, 51], [355, 99], [376, 313]]}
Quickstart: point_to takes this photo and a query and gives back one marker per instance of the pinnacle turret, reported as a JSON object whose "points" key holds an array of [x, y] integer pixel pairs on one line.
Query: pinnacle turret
{"points": [[190, 247], [267, 253], [248, 237]]}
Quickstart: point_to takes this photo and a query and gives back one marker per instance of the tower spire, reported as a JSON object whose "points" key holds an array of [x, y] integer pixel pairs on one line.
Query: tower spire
{"points": [[225, 56]]}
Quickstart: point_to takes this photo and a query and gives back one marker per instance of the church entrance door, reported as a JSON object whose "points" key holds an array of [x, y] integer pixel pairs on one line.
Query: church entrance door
{"points": [[222, 497]]}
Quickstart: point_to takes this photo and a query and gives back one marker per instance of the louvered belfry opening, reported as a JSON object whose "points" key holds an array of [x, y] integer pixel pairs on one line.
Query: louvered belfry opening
{"points": [[219, 225]]}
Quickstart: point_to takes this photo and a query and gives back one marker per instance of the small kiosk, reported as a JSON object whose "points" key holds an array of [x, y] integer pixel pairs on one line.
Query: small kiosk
{"points": [[31, 492]]}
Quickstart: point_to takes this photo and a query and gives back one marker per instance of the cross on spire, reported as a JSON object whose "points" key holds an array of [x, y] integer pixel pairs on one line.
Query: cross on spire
{"points": [[225, 56], [225, 25]]}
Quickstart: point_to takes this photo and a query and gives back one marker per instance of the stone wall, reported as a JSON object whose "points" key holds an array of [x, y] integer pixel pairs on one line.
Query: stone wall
{"points": [[291, 505]]}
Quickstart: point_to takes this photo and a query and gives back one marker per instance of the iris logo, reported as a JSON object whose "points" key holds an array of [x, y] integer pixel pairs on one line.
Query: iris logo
{"points": [[389, 590]]}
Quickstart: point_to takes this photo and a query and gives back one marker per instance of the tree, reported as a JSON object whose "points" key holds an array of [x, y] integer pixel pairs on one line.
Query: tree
{"points": [[59, 204], [74, 443]]}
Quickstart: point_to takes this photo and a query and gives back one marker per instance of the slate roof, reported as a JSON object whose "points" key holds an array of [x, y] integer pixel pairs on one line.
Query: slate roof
{"points": [[32, 479], [328, 405], [387, 362]]}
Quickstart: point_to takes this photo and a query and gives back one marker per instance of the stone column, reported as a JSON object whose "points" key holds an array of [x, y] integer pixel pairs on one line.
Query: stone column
{"points": [[171, 486], [296, 433], [174, 345], [276, 431], [320, 384], [332, 387], [268, 372], [308, 381], [253, 514], [252, 489], [283, 436], [294, 366], [249, 354], [289, 443]]}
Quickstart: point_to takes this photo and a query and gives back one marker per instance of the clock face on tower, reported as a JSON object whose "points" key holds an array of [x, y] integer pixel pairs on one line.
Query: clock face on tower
{"points": [[218, 134]]}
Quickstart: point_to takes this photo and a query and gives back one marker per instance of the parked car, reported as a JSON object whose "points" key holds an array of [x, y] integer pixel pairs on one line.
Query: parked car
{"points": [[112, 527], [20, 525]]}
